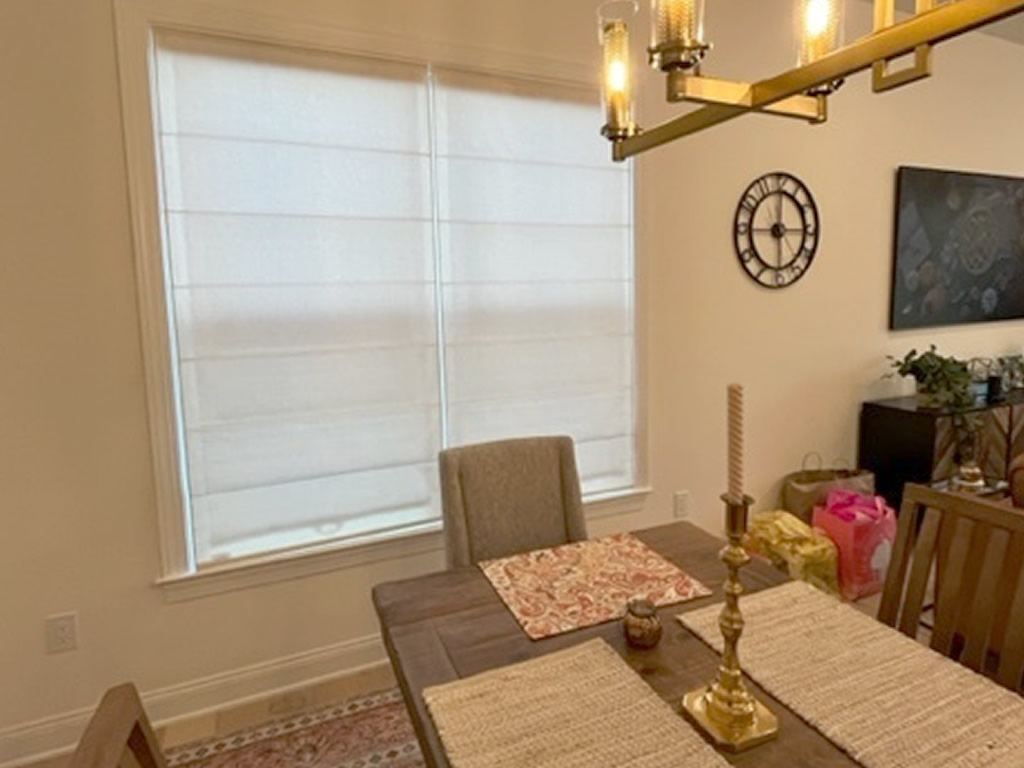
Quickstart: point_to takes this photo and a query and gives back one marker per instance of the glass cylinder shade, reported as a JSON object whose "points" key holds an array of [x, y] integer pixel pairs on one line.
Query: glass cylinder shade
{"points": [[819, 28], [677, 23], [617, 89]]}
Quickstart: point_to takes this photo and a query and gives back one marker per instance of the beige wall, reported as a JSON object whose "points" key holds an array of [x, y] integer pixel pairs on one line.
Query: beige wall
{"points": [[79, 521], [808, 354]]}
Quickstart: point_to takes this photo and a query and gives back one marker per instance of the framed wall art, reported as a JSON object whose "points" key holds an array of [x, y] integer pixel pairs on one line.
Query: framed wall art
{"points": [[959, 248]]}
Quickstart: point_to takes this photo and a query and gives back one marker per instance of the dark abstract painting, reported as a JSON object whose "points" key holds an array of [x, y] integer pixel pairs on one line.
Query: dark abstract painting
{"points": [[959, 248]]}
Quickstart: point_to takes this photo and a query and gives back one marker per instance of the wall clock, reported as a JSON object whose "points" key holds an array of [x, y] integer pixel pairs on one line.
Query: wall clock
{"points": [[776, 230]]}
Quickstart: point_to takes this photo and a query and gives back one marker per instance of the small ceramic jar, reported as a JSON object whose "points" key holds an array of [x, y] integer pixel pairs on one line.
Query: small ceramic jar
{"points": [[641, 624]]}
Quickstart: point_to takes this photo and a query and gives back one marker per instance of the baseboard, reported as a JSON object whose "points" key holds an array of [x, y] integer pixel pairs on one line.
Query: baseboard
{"points": [[57, 735]]}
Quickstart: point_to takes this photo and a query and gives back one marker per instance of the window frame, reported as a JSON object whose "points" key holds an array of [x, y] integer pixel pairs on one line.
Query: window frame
{"points": [[136, 24]]}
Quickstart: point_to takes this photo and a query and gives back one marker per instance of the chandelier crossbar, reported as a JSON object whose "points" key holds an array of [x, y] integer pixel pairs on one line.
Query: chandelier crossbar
{"points": [[787, 93]]}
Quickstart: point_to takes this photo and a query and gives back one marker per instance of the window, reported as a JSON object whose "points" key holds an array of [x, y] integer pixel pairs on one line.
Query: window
{"points": [[368, 261]]}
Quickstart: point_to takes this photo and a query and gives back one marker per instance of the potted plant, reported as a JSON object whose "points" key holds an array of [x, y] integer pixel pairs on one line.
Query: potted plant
{"points": [[942, 382], [946, 383]]}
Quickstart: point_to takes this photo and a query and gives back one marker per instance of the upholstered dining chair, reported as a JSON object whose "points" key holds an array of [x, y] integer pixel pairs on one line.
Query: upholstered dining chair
{"points": [[118, 735], [509, 496], [965, 555]]}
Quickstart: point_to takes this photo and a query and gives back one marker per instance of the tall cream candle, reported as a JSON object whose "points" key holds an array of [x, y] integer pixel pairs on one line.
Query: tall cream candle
{"points": [[735, 441]]}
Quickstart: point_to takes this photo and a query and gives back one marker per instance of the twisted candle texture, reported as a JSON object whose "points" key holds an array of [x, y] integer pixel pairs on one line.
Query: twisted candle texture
{"points": [[736, 441]]}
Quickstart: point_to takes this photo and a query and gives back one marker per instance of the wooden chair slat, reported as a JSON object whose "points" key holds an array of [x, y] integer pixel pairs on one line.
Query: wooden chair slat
{"points": [[920, 570], [973, 614], [1009, 583], [888, 610], [1011, 654], [947, 533], [948, 570]]}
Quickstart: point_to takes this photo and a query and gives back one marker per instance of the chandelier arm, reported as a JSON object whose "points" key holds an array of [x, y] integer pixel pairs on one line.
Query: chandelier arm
{"points": [[695, 121], [884, 80], [930, 27], [684, 86], [927, 28]]}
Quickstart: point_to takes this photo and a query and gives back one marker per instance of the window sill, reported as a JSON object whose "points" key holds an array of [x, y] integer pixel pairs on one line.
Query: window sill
{"points": [[616, 503], [332, 556]]}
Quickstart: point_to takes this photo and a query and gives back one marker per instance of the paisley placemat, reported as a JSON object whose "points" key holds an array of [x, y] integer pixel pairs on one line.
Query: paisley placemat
{"points": [[556, 590], [582, 707], [888, 701]]}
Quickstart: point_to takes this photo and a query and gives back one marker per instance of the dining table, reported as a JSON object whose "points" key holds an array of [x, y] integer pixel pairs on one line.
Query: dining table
{"points": [[452, 624]]}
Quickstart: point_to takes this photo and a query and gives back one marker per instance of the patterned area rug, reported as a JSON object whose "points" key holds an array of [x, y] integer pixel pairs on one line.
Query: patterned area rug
{"points": [[369, 732]]}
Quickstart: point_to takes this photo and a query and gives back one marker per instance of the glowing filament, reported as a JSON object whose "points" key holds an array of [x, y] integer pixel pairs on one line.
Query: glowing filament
{"points": [[618, 77], [817, 18], [820, 28], [617, 100]]}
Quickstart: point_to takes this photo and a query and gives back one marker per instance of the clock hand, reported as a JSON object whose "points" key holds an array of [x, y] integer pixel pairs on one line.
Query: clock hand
{"points": [[790, 247]]}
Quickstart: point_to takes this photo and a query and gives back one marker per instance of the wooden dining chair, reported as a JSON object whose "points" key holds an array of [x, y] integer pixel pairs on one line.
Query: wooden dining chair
{"points": [[509, 496], [966, 555], [119, 735]]}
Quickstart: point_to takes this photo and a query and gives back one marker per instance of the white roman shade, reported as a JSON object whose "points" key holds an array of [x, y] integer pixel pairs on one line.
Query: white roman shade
{"points": [[302, 280], [369, 261], [537, 272]]}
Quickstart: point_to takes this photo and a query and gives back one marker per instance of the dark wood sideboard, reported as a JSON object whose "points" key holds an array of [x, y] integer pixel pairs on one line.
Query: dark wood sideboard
{"points": [[901, 442]]}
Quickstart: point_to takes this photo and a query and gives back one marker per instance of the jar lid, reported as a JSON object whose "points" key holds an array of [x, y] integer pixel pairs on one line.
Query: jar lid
{"points": [[640, 607]]}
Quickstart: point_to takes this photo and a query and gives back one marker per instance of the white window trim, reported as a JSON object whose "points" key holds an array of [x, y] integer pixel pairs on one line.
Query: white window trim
{"points": [[333, 555], [136, 23]]}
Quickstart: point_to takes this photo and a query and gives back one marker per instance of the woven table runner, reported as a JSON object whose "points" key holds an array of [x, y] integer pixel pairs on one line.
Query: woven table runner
{"points": [[556, 590], [583, 707], [888, 701]]}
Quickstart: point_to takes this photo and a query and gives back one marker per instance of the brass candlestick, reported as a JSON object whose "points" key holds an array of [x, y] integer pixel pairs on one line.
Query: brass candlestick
{"points": [[726, 710]]}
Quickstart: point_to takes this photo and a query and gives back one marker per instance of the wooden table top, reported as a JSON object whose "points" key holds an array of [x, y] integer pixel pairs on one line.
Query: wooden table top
{"points": [[452, 624]]}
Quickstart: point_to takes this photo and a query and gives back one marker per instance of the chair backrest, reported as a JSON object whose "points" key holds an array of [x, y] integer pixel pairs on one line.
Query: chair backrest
{"points": [[966, 555], [509, 496], [118, 735]]}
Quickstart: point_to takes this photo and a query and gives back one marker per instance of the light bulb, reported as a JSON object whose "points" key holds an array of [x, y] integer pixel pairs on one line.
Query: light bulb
{"points": [[677, 33], [616, 91], [617, 77], [816, 19], [677, 21], [819, 29]]}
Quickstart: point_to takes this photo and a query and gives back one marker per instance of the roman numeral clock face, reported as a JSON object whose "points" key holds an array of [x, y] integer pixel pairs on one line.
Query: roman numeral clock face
{"points": [[776, 230]]}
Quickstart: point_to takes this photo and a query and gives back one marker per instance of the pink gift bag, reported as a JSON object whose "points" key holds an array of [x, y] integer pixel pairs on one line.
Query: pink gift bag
{"points": [[863, 528]]}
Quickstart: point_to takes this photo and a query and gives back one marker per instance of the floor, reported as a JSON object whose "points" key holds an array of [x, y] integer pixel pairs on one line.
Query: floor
{"points": [[287, 703], [868, 605], [259, 711], [371, 731]]}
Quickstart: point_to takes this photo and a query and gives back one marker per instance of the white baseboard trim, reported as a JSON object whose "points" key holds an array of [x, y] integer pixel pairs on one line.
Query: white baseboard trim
{"points": [[51, 737]]}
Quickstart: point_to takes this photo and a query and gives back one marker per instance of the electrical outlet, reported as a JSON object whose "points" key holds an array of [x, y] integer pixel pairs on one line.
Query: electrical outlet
{"points": [[61, 632], [681, 504]]}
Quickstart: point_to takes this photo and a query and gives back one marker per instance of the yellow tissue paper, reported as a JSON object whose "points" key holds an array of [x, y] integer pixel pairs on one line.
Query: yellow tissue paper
{"points": [[789, 543]]}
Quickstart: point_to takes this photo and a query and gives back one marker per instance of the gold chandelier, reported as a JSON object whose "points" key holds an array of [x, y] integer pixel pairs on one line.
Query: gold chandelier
{"points": [[678, 49]]}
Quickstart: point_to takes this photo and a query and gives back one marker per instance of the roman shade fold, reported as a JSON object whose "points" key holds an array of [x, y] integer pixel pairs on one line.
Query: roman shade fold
{"points": [[368, 262]]}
